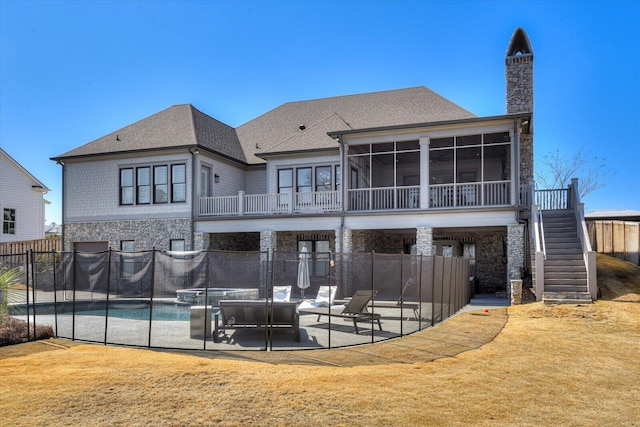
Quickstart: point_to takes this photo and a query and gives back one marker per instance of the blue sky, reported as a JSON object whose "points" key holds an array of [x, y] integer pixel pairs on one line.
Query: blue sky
{"points": [[73, 71]]}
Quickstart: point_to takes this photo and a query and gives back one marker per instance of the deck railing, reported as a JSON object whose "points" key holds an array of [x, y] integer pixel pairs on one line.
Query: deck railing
{"points": [[555, 199], [387, 198], [362, 199], [267, 204]]}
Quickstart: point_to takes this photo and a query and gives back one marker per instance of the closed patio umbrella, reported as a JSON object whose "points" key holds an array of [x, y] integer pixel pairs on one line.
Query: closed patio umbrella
{"points": [[304, 281]]}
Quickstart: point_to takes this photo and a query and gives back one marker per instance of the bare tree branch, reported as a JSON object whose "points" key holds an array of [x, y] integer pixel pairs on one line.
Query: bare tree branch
{"points": [[557, 170]]}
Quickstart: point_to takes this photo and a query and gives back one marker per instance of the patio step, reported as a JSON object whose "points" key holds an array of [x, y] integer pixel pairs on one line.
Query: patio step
{"points": [[566, 298]]}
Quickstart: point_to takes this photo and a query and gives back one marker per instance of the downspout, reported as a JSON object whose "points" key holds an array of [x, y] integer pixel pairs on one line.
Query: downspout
{"points": [[194, 200], [64, 225], [343, 191], [518, 205]]}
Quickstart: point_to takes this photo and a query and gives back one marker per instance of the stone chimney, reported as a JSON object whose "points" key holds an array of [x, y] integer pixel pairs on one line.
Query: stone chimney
{"points": [[519, 79]]}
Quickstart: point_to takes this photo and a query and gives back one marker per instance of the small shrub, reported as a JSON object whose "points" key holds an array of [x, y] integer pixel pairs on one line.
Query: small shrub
{"points": [[14, 331]]}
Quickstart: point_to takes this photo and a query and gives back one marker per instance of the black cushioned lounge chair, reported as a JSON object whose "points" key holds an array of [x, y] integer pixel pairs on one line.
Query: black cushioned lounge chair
{"points": [[355, 309]]}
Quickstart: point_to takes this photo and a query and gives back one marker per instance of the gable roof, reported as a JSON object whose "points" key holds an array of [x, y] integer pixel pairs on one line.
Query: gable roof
{"points": [[269, 131], [177, 126], [37, 184]]}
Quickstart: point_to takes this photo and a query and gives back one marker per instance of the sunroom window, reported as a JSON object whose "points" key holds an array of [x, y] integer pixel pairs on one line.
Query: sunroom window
{"points": [[470, 170]]}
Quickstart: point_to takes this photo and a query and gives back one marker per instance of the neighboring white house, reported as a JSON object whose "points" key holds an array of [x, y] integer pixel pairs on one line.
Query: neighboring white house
{"points": [[395, 171], [21, 201]]}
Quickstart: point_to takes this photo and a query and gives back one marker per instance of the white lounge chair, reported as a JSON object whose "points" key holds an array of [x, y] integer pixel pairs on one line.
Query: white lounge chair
{"points": [[325, 297], [282, 293]]}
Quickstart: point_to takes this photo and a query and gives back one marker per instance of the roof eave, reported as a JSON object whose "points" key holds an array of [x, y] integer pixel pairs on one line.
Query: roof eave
{"points": [[148, 150], [292, 152], [335, 134]]}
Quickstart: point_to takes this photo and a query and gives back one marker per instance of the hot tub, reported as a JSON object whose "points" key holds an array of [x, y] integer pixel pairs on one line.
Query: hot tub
{"points": [[196, 296]]}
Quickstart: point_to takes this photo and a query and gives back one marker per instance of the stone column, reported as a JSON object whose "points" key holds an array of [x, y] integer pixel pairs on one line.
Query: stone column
{"points": [[424, 241], [268, 240], [516, 292], [268, 244], [343, 251], [346, 241], [200, 241], [515, 253]]}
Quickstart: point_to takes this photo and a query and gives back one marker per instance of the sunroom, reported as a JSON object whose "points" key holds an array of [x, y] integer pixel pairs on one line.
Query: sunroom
{"points": [[430, 169]]}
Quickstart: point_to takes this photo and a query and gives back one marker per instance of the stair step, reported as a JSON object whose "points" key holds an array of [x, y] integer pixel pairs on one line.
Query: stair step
{"points": [[565, 275], [565, 269], [554, 238], [556, 285], [563, 251], [560, 234], [567, 297], [566, 259], [558, 288], [556, 246]]}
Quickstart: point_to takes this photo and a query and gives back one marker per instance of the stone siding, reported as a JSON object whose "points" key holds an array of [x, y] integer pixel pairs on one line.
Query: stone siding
{"points": [[234, 241], [146, 234], [491, 256], [519, 77], [288, 240], [515, 250], [526, 158], [365, 241], [424, 240], [268, 240]]}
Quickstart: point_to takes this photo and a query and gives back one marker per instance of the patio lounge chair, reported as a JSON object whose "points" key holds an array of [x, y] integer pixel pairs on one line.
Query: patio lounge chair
{"points": [[325, 297], [281, 293], [355, 309], [401, 303], [236, 314]]}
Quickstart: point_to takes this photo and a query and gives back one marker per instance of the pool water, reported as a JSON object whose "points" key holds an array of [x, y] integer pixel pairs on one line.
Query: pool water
{"points": [[160, 312]]}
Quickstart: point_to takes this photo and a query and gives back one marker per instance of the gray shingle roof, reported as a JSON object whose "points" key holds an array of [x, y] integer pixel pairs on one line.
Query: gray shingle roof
{"points": [[312, 137], [367, 110], [278, 130], [177, 126]]}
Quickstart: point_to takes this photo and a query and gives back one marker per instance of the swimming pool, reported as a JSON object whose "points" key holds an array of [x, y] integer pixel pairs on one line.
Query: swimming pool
{"points": [[160, 312], [133, 310]]}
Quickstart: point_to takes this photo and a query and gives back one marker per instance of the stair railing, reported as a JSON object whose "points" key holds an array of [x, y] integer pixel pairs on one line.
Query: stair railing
{"points": [[588, 254], [537, 235]]}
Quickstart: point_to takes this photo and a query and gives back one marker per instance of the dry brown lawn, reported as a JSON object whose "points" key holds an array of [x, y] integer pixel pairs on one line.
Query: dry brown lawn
{"points": [[574, 365]]}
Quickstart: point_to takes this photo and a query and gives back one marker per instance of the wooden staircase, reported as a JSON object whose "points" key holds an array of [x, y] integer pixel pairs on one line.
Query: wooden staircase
{"points": [[565, 274]]}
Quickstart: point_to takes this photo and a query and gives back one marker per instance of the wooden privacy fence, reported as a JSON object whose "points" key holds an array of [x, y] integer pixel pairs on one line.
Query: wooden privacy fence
{"points": [[40, 245], [618, 238]]}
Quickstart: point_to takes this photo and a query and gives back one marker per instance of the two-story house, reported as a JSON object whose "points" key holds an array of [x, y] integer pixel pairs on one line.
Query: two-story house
{"points": [[22, 202], [395, 171]]}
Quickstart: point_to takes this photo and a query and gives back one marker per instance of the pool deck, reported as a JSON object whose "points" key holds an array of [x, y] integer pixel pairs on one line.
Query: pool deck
{"points": [[167, 335]]}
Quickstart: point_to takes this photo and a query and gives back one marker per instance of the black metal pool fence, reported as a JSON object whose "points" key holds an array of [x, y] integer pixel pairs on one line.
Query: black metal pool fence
{"points": [[161, 299]]}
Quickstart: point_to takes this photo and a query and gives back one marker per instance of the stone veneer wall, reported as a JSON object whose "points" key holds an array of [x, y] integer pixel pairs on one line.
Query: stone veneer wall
{"points": [[516, 252], [364, 241], [526, 158], [146, 234], [268, 240], [491, 256], [519, 77], [424, 241], [234, 241], [288, 240]]}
